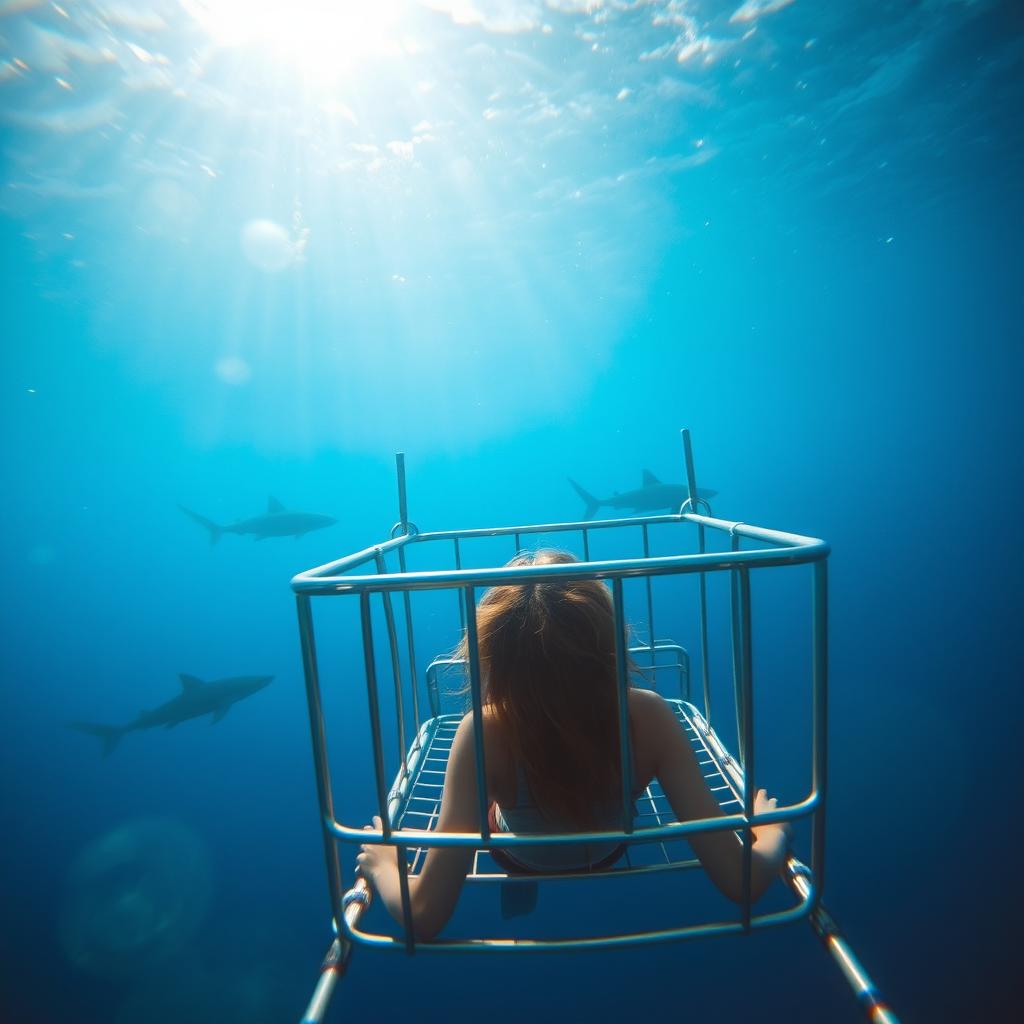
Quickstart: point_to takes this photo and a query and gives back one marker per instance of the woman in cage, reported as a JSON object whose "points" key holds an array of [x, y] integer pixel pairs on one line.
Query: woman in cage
{"points": [[551, 741]]}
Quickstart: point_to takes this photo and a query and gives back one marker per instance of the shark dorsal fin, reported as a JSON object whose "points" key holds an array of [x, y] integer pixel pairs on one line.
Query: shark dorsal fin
{"points": [[650, 480], [189, 682], [273, 506]]}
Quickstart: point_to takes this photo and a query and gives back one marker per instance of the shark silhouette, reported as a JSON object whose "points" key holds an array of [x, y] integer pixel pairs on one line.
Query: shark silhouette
{"points": [[651, 497], [196, 699], [276, 522]]}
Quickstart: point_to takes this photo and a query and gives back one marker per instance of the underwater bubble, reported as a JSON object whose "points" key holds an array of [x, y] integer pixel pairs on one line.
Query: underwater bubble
{"points": [[232, 370], [135, 895], [267, 245]]}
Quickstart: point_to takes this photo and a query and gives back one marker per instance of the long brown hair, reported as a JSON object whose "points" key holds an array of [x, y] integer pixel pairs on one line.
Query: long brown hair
{"points": [[547, 660]]}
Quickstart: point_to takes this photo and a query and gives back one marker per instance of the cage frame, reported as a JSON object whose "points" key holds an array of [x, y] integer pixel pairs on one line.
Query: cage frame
{"points": [[338, 578]]}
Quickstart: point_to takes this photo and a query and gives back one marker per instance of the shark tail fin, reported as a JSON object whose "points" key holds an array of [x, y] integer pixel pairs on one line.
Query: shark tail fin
{"points": [[109, 735], [215, 530], [592, 503]]}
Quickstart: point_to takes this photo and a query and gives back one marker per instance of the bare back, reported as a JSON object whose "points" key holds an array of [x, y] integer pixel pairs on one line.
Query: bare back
{"points": [[645, 737]]}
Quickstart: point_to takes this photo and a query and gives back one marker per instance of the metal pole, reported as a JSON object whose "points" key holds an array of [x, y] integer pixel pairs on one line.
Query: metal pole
{"points": [[403, 518], [622, 678], [321, 764], [473, 657], [736, 636], [705, 658], [403, 510], [396, 665], [747, 721], [336, 962], [819, 739], [691, 476], [374, 708], [827, 929], [461, 594], [691, 486], [650, 595], [373, 702], [410, 643]]}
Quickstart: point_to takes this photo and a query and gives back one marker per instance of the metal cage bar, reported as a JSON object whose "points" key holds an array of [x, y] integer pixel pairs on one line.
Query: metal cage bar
{"points": [[370, 665], [819, 727], [650, 594], [786, 549], [410, 643], [473, 657], [622, 679], [736, 647], [460, 594], [403, 524], [747, 722], [396, 665], [318, 739], [705, 672]]}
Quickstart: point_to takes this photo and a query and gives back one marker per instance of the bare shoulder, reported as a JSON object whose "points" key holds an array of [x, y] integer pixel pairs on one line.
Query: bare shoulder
{"points": [[641, 697], [653, 723], [648, 708], [492, 727], [497, 754]]}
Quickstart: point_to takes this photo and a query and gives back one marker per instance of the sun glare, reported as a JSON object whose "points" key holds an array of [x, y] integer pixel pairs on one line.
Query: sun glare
{"points": [[319, 36]]}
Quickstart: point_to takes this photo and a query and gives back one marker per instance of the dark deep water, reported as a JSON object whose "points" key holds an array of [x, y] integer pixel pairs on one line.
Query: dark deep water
{"points": [[526, 241]]}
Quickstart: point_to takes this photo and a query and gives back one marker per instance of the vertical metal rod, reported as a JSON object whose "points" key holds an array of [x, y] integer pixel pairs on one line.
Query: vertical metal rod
{"points": [[650, 596], [321, 764], [369, 661], [407, 601], [410, 644], [691, 486], [705, 657], [403, 517], [691, 476], [373, 701], [586, 545], [408, 927], [736, 635], [403, 509], [519, 544], [396, 664], [622, 678], [461, 593], [747, 720], [473, 656], [819, 739]]}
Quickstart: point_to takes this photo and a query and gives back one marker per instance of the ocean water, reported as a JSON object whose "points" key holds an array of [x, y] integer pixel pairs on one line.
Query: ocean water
{"points": [[251, 252]]}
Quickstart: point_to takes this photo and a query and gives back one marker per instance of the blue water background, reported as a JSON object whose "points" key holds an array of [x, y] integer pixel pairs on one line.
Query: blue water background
{"points": [[829, 298]]}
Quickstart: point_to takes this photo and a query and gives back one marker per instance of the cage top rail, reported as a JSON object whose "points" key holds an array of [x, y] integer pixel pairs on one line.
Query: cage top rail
{"points": [[788, 549]]}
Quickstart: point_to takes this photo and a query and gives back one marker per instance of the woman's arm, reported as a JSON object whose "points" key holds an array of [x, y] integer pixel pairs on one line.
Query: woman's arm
{"points": [[434, 892], [688, 794]]}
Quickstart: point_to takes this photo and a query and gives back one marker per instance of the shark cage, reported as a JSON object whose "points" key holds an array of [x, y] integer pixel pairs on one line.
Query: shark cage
{"points": [[654, 840]]}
